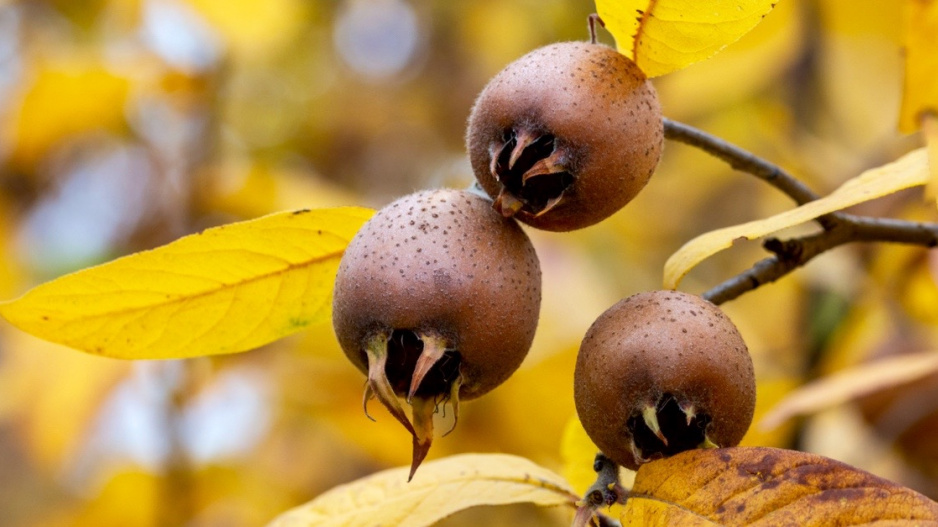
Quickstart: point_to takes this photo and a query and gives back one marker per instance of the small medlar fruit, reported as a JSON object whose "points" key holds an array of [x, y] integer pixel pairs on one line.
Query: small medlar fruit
{"points": [[566, 135], [436, 299], [662, 372]]}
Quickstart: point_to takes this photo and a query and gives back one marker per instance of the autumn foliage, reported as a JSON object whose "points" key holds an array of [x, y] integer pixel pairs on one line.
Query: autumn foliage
{"points": [[179, 181]]}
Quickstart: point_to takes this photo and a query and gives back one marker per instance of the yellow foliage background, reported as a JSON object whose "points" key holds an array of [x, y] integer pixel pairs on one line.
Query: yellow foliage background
{"points": [[126, 125]]}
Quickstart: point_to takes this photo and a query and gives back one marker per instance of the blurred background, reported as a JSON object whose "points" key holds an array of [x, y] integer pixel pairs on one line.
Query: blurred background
{"points": [[125, 124]]}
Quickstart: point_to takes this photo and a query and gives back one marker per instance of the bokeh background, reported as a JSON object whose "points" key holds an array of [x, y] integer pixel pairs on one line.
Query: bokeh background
{"points": [[125, 124]]}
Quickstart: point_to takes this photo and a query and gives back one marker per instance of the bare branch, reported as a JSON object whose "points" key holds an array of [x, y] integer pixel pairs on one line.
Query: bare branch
{"points": [[794, 253], [838, 228], [747, 162]]}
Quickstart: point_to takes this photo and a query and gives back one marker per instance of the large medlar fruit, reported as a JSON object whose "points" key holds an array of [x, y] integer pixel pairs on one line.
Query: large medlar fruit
{"points": [[662, 372], [436, 299], [566, 135]]}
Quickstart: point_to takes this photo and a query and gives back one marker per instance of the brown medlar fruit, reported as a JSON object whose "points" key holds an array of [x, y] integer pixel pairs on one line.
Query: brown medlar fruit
{"points": [[436, 299], [662, 372], [566, 135]]}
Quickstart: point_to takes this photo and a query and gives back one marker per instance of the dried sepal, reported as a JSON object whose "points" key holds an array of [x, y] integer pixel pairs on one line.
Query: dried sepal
{"points": [[422, 410], [378, 383], [433, 350]]}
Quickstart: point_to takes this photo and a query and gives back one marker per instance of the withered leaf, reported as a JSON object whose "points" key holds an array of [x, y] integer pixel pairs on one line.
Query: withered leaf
{"points": [[759, 486]]}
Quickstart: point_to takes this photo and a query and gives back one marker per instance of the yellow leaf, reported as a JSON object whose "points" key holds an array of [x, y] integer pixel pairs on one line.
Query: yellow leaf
{"points": [[920, 93], [578, 452], [909, 171], [255, 27], [852, 384], [439, 489], [768, 486], [753, 64], [67, 97], [225, 290], [662, 36]]}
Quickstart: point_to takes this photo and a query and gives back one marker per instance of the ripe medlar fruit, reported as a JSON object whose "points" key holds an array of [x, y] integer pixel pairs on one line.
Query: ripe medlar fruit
{"points": [[436, 299], [662, 372], [566, 135]]}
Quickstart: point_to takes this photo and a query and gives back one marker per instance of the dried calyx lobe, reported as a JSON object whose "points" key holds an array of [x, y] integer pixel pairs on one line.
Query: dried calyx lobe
{"points": [[421, 299], [667, 427], [531, 169], [405, 347]]}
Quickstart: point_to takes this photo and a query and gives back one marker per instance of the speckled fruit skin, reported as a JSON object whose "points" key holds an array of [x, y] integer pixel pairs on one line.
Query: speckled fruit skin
{"points": [[603, 112], [444, 262], [662, 342]]}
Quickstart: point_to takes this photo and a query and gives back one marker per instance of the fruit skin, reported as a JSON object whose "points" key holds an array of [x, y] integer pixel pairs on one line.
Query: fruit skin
{"points": [[607, 129], [657, 343], [442, 262], [436, 299]]}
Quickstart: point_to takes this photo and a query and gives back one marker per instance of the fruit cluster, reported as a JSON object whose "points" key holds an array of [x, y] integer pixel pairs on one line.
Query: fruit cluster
{"points": [[437, 297]]}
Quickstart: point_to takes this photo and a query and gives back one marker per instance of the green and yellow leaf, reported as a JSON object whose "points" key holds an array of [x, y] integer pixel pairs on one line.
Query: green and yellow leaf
{"points": [[758, 486], [439, 489], [228, 289], [662, 36], [909, 171]]}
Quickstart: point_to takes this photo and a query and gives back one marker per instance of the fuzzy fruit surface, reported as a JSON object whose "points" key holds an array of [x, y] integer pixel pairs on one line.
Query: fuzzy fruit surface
{"points": [[441, 263], [436, 299], [566, 135], [669, 360]]}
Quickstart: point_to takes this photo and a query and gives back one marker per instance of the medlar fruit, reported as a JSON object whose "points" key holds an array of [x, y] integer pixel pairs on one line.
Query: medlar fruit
{"points": [[436, 300], [662, 372], [566, 135]]}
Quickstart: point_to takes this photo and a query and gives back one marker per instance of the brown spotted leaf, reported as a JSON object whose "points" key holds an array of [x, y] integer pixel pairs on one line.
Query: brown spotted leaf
{"points": [[758, 486]]}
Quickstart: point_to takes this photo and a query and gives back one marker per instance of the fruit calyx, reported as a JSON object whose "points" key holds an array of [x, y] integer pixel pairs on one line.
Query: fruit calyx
{"points": [[529, 166], [667, 427], [419, 367]]}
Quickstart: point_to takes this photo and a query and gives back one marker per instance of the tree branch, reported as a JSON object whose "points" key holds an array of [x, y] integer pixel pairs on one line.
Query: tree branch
{"points": [[748, 162], [794, 253], [838, 228]]}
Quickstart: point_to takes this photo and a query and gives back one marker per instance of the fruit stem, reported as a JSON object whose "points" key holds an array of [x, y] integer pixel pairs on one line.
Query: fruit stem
{"points": [[591, 22], [605, 491]]}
